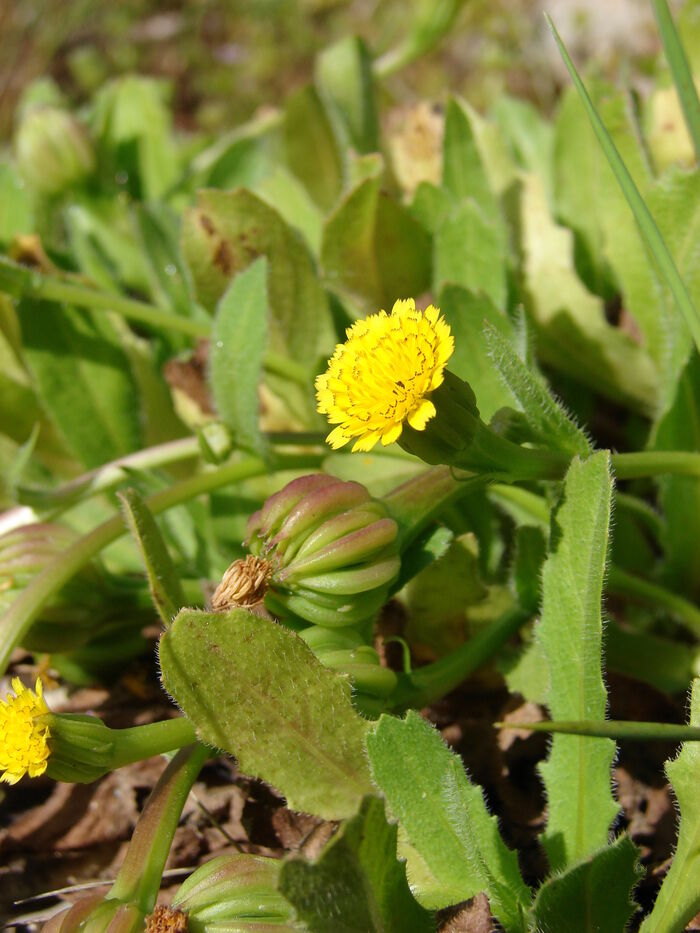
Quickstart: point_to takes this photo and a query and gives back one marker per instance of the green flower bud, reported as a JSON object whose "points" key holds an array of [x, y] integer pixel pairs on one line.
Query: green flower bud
{"points": [[53, 150], [73, 747], [457, 436], [82, 748], [88, 606], [343, 650], [323, 551], [233, 889]]}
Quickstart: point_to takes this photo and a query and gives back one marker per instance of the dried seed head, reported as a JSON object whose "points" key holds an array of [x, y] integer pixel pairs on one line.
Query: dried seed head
{"points": [[166, 920], [243, 585]]}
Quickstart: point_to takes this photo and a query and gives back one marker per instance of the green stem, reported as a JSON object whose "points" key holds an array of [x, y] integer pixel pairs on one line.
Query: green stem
{"points": [[614, 729], [19, 281], [108, 476], [515, 462], [524, 505], [425, 685], [656, 463], [626, 584], [154, 738], [418, 501], [140, 876], [22, 612]]}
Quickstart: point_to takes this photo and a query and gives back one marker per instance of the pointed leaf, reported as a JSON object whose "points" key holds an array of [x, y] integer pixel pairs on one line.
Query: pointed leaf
{"points": [[163, 580], [239, 338], [577, 774], [312, 148], [225, 233], [463, 173], [345, 82], [470, 251], [83, 379], [572, 333], [544, 413], [455, 846], [466, 314], [255, 690], [593, 895], [356, 885], [373, 251], [679, 429]]}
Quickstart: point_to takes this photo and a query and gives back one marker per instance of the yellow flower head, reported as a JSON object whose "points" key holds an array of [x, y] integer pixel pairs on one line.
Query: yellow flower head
{"points": [[383, 375], [23, 734]]}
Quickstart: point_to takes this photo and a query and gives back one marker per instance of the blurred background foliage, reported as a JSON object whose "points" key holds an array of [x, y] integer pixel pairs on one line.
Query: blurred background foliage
{"points": [[224, 59]]}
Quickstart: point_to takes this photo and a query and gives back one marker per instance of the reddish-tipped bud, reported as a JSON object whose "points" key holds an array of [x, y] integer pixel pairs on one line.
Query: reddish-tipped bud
{"points": [[325, 552]]}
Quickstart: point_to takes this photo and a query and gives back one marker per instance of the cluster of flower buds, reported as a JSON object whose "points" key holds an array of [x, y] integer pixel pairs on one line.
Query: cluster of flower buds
{"points": [[324, 554], [328, 553]]}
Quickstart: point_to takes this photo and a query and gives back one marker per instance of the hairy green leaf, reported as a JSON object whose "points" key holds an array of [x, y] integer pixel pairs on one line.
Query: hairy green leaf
{"points": [[577, 774], [238, 348], [470, 251], [463, 173], [373, 251], [466, 314], [593, 895], [345, 83], [225, 233], [356, 885], [678, 899], [544, 413], [163, 580], [455, 847], [312, 147], [255, 690], [83, 379]]}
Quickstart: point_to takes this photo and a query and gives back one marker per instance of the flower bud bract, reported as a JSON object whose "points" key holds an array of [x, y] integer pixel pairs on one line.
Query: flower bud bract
{"points": [[234, 888]]}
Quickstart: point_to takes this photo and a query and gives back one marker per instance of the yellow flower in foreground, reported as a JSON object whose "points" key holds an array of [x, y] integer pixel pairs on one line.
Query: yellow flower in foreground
{"points": [[23, 734], [383, 375]]}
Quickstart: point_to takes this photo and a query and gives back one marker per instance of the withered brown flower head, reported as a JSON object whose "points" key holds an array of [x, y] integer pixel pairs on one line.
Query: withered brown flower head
{"points": [[243, 585]]}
